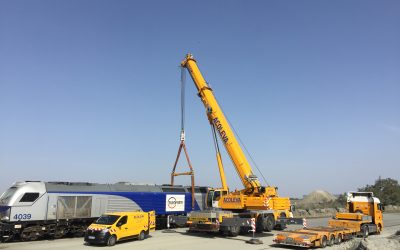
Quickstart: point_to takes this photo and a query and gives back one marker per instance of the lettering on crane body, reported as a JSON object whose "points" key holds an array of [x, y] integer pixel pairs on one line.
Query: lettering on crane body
{"points": [[221, 130], [231, 199]]}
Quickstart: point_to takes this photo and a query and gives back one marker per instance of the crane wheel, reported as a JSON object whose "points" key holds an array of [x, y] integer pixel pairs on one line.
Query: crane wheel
{"points": [[265, 222], [281, 226], [234, 231], [269, 223]]}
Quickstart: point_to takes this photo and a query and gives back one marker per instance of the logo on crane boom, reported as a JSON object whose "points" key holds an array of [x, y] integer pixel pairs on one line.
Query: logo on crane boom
{"points": [[221, 130]]}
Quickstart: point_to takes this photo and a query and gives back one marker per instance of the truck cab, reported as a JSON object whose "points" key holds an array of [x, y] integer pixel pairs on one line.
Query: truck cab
{"points": [[365, 203], [113, 227]]}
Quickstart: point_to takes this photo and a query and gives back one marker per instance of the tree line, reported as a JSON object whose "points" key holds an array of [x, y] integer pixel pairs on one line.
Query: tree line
{"points": [[387, 190]]}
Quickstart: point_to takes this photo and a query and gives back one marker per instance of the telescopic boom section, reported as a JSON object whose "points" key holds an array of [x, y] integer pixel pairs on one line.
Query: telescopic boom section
{"points": [[217, 118]]}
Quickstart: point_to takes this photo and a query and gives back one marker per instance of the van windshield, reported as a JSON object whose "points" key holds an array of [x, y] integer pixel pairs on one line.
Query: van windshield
{"points": [[107, 219]]}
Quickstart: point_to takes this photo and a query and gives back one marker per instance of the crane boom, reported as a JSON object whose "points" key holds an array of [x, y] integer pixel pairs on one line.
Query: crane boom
{"points": [[219, 121]]}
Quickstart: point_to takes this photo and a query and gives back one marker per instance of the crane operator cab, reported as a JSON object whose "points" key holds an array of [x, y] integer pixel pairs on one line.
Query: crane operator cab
{"points": [[213, 197]]}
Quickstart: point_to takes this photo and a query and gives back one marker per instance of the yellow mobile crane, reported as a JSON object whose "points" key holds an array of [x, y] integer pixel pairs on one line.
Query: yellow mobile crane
{"points": [[254, 201]]}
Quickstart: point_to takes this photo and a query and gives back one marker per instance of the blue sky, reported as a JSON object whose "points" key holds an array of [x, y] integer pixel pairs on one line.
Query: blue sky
{"points": [[90, 91]]}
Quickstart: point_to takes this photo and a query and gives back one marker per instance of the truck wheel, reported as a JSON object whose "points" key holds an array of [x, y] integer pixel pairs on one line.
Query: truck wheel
{"points": [[331, 240], [111, 240], [323, 241], [364, 231], [142, 235]]}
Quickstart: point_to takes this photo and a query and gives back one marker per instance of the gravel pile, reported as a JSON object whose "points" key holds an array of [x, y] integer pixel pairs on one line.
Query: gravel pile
{"points": [[388, 240]]}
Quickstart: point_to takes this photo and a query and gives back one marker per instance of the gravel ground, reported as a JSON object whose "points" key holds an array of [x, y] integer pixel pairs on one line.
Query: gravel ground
{"points": [[387, 240], [182, 240]]}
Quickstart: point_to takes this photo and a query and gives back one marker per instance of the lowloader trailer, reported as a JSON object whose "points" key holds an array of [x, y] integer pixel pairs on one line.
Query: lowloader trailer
{"points": [[364, 216]]}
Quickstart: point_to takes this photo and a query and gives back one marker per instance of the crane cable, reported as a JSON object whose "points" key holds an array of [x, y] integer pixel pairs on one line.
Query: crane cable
{"points": [[244, 146], [183, 83]]}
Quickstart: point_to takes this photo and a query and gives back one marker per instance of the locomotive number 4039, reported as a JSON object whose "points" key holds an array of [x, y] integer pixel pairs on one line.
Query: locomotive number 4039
{"points": [[22, 216]]}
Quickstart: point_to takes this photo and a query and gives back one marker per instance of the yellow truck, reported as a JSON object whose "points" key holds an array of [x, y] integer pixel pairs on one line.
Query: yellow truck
{"points": [[113, 227], [364, 216]]}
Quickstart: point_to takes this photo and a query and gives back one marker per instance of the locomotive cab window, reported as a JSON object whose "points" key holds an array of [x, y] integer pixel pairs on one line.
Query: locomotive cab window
{"points": [[6, 196], [29, 197]]}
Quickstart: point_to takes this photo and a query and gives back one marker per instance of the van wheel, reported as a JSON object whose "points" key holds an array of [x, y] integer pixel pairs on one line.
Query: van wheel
{"points": [[111, 240], [323, 241], [141, 235]]}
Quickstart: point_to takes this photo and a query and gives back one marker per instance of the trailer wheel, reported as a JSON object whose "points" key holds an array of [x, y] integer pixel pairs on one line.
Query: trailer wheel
{"points": [[111, 240], [365, 231], [339, 239], [323, 241], [142, 235], [331, 240]]}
